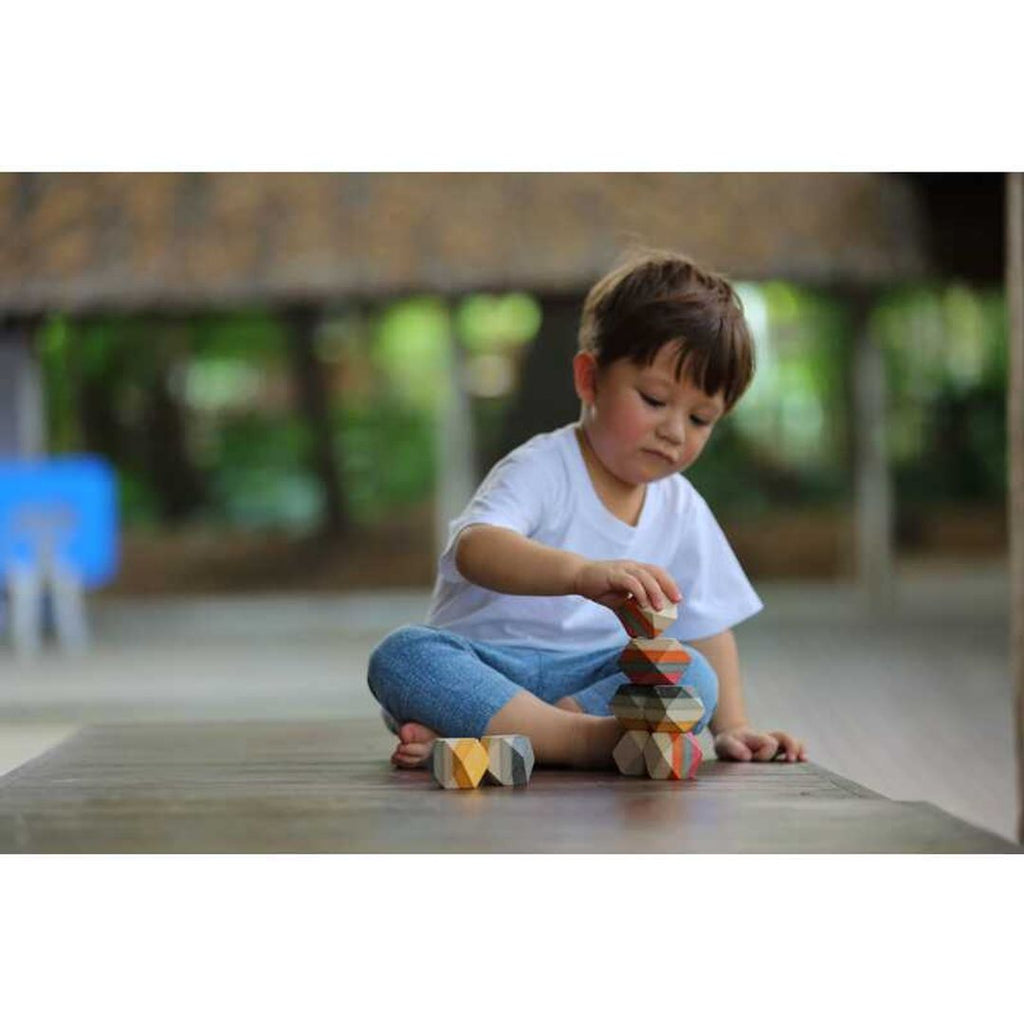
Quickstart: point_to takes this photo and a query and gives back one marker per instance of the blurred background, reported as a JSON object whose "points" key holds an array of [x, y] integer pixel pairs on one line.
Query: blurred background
{"points": [[297, 380]]}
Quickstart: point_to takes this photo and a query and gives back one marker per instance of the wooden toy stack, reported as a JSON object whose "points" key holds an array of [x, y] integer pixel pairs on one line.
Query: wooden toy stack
{"points": [[656, 711], [462, 763]]}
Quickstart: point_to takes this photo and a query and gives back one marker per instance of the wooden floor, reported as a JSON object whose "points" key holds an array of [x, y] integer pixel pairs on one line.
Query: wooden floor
{"points": [[264, 787]]}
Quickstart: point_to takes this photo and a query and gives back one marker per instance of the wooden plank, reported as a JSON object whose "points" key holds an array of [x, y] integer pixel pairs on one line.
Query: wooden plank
{"points": [[130, 241], [327, 787], [1015, 436]]}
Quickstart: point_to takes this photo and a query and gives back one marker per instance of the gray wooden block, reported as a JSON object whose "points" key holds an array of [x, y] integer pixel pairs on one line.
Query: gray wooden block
{"points": [[629, 752], [509, 760]]}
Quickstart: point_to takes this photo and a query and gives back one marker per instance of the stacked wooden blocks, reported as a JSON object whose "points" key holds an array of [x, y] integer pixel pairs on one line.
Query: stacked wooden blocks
{"points": [[462, 762], [657, 713]]}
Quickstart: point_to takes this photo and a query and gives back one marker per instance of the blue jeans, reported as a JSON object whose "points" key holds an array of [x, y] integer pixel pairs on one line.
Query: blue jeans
{"points": [[456, 686]]}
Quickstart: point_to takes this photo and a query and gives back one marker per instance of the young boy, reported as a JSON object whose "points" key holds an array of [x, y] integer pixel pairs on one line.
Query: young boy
{"points": [[521, 636]]}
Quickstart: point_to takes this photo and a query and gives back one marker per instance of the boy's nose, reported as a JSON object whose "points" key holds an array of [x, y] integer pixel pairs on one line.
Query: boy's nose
{"points": [[672, 430]]}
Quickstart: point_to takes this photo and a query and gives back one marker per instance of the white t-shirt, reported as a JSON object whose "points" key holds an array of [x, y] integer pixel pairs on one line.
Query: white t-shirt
{"points": [[543, 491]]}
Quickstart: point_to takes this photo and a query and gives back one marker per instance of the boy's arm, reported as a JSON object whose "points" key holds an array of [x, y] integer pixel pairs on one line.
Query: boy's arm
{"points": [[506, 561], [724, 656], [735, 739]]}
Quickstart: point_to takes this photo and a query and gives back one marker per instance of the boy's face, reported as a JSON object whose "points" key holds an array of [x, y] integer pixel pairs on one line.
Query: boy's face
{"points": [[642, 423]]}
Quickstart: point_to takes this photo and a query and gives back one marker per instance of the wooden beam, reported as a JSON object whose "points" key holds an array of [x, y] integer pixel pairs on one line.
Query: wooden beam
{"points": [[1015, 438]]}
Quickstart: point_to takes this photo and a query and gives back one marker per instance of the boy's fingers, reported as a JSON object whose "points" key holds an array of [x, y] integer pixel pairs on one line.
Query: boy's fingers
{"points": [[788, 746], [732, 749], [766, 746], [636, 587], [668, 585], [655, 598]]}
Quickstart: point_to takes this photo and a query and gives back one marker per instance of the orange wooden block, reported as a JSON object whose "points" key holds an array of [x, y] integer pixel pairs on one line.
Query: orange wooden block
{"points": [[672, 755], [641, 620], [654, 662]]}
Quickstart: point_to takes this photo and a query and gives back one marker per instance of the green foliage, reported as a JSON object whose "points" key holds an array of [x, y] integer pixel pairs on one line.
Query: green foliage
{"points": [[55, 354], [410, 349], [248, 335], [497, 323], [945, 351], [785, 444], [388, 457]]}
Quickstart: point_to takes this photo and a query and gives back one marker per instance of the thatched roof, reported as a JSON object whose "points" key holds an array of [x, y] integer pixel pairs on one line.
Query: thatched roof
{"points": [[137, 241]]}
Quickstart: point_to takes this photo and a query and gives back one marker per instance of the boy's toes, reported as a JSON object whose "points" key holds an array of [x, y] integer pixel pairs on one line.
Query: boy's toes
{"points": [[404, 758], [414, 745], [413, 732]]}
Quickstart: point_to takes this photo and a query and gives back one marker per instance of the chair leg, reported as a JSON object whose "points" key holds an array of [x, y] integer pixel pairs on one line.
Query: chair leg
{"points": [[25, 592], [69, 620]]}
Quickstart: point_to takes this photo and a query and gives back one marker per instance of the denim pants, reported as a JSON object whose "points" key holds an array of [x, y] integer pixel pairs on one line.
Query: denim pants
{"points": [[456, 686]]}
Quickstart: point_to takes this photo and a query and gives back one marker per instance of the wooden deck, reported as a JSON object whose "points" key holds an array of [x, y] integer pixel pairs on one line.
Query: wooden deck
{"points": [[327, 787]]}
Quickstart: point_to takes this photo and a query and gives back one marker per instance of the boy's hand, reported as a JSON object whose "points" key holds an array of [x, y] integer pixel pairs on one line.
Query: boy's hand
{"points": [[610, 583], [742, 743]]}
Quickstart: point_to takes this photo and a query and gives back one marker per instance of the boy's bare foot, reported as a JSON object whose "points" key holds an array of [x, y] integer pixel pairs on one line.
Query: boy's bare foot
{"points": [[414, 743], [577, 740]]}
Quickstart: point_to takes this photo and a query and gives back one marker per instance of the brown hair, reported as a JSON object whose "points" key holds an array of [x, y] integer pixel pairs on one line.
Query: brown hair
{"points": [[655, 298]]}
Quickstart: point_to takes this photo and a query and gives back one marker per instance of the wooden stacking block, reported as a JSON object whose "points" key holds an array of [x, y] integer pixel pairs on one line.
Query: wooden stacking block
{"points": [[656, 708], [628, 707], [629, 752], [509, 760], [458, 762], [641, 620], [672, 712], [654, 662], [672, 755]]}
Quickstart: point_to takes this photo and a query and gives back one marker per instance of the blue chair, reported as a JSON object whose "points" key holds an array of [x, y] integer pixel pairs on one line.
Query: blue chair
{"points": [[58, 537]]}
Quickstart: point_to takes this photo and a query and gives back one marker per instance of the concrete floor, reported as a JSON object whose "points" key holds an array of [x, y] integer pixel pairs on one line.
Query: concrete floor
{"points": [[915, 705]]}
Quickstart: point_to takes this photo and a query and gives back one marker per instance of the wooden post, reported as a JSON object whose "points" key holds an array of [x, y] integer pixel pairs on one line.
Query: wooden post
{"points": [[872, 486], [456, 443], [313, 400], [545, 398], [22, 420], [1015, 437]]}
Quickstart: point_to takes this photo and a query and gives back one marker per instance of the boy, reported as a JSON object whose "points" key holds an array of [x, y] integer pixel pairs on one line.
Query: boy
{"points": [[520, 636]]}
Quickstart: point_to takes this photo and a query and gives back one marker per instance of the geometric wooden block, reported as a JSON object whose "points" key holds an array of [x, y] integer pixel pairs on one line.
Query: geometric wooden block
{"points": [[628, 707], [672, 755], [509, 760], [656, 708], [457, 762], [654, 662], [673, 714], [629, 752], [642, 620]]}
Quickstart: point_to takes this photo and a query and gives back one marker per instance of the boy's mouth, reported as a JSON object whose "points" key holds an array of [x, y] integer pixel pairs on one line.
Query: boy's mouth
{"points": [[660, 455]]}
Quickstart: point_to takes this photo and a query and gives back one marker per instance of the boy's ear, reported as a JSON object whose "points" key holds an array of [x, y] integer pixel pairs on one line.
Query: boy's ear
{"points": [[584, 376]]}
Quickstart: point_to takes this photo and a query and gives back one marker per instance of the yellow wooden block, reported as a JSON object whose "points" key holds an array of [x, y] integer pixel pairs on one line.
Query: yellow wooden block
{"points": [[458, 762]]}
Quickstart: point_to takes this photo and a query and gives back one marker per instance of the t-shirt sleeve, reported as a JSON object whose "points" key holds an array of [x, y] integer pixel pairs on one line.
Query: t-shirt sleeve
{"points": [[515, 495], [716, 592]]}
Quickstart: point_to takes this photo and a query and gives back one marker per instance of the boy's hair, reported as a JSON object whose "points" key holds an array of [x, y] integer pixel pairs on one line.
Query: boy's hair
{"points": [[659, 297]]}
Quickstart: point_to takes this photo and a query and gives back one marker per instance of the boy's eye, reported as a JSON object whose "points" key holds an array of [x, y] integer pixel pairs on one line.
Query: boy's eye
{"points": [[652, 402], [698, 421]]}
